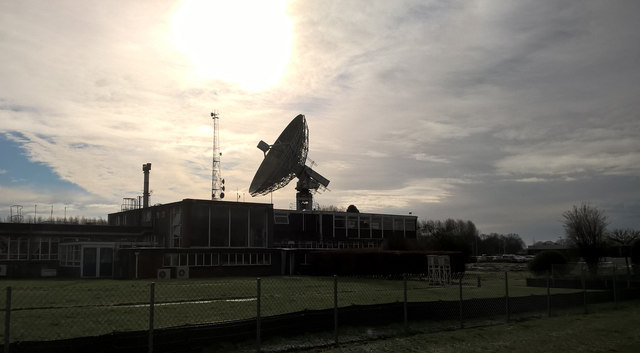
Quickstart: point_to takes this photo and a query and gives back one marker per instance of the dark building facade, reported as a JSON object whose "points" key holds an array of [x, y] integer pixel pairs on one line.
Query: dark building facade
{"points": [[339, 229], [202, 223], [49, 250], [204, 238]]}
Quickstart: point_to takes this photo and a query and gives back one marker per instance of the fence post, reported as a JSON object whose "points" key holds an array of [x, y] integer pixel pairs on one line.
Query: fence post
{"points": [[615, 288], [584, 289], [506, 295], [152, 300], [406, 320], [549, 293], [461, 304], [258, 323], [335, 308], [7, 321]]}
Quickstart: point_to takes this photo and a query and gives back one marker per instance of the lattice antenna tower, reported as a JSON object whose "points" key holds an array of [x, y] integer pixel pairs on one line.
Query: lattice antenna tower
{"points": [[217, 183]]}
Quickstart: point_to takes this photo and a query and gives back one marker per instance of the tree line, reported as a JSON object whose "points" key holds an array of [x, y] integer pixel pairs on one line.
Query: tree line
{"points": [[60, 220], [459, 235]]}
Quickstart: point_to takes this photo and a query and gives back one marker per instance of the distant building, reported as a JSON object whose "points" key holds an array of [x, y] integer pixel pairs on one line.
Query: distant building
{"points": [[546, 245]]}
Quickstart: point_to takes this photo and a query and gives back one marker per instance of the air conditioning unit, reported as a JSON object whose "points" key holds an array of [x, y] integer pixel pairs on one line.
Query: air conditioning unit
{"points": [[3, 270], [182, 272], [164, 273]]}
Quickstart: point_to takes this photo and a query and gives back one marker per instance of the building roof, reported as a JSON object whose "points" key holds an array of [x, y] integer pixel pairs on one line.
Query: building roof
{"points": [[71, 230]]}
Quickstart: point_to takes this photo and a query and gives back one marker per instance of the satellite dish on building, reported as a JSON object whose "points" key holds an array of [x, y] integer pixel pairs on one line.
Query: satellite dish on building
{"points": [[284, 160]]}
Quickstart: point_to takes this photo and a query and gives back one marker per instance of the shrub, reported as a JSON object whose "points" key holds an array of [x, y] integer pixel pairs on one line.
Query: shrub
{"points": [[544, 261]]}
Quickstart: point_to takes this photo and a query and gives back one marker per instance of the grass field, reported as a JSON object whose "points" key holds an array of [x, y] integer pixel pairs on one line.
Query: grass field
{"points": [[605, 331], [56, 309]]}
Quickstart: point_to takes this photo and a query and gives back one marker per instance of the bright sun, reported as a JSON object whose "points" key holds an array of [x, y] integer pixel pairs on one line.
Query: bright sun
{"points": [[245, 42]]}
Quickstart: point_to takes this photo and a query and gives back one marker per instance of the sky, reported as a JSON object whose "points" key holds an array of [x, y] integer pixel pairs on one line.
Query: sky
{"points": [[505, 113]]}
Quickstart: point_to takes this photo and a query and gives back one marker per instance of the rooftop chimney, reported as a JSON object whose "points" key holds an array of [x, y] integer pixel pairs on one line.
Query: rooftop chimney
{"points": [[145, 196]]}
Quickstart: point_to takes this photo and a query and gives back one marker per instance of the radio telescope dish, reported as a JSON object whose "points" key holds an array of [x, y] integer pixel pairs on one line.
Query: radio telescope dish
{"points": [[286, 159]]}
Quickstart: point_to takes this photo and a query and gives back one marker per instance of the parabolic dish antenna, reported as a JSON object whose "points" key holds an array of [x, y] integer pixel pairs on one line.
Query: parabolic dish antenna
{"points": [[284, 160]]}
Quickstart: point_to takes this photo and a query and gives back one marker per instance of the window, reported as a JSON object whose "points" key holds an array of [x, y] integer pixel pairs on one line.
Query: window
{"points": [[220, 226], [4, 248], [387, 223], [43, 249], [398, 224], [23, 249], [170, 260], [352, 226], [410, 224], [376, 227], [70, 255], [239, 227], [54, 249], [215, 259], [242, 259], [365, 227], [280, 218], [258, 227], [196, 259]]}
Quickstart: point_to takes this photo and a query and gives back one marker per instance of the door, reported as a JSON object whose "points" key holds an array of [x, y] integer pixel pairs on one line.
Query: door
{"points": [[97, 261], [89, 262], [105, 266]]}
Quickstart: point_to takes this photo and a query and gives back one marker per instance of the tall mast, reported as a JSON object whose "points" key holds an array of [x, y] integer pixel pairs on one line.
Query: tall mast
{"points": [[217, 183]]}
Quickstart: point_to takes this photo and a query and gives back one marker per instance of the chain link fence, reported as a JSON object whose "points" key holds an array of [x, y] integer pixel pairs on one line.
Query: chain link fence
{"points": [[280, 313]]}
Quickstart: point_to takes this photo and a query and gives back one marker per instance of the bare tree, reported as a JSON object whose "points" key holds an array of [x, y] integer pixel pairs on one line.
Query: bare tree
{"points": [[623, 239], [585, 227], [330, 208]]}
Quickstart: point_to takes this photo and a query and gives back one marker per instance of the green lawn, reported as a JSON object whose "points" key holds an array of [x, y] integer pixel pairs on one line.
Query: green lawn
{"points": [[604, 331], [55, 309]]}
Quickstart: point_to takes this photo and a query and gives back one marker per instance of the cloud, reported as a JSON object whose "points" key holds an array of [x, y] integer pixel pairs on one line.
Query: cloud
{"points": [[446, 109]]}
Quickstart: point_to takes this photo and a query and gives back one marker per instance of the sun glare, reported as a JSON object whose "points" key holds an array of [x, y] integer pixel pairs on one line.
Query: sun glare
{"points": [[245, 42]]}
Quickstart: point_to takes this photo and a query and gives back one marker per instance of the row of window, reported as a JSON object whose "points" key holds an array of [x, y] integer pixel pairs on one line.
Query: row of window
{"points": [[375, 222], [328, 244], [23, 248], [216, 259]]}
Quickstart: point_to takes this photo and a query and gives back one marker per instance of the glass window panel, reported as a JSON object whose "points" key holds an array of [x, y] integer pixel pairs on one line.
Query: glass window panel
{"points": [[410, 224], [258, 231], [239, 227], [220, 226], [106, 262], [4, 248]]}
